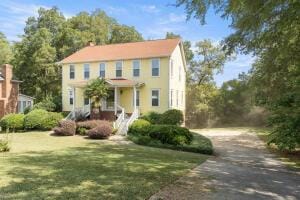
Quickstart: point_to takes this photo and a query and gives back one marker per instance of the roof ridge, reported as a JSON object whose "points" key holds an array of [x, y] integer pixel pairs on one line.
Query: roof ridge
{"points": [[133, 42]]}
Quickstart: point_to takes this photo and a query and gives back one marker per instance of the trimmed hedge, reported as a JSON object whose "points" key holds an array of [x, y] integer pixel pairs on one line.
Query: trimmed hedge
{"points": [[170, 117], [139, 127], [200, 144], [102, 131], [41, 119], [65, 128], [13, 122]]}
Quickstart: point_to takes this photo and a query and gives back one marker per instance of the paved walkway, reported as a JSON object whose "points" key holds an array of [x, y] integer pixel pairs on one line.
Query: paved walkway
{"points": [[242, 169]]}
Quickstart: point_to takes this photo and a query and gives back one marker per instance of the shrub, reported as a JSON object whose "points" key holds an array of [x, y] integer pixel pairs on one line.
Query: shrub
{"points": [[12, 121], [65, 128], [27, 110], [170, 134], [90, 124], [81, 131], [139, 127], [4, 146], [51, 120], [102, 131], [172, 117], [152, 117], [41, 119], [46, 104]]}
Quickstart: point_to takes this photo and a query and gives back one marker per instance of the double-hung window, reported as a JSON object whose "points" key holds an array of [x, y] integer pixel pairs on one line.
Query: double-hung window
{"points": [[155, 66], [179, 70], [86, 71], [119, 69], [136, 65], [172, 68], [155, 97], [71, 97], [137, 100], [102, 70], [72, 72], [86, 101]]}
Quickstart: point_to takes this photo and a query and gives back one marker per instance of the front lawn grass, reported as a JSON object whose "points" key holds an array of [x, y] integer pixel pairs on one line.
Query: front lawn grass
{"points": [[40, 166], [291, 159]]}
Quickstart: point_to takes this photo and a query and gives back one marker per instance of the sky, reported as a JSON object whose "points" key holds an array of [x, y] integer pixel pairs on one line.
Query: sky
{"points": [[151, 18]]}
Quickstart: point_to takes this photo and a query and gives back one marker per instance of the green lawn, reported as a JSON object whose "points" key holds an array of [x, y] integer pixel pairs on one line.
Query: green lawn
{"points": [[291, 159], [40, 166]]}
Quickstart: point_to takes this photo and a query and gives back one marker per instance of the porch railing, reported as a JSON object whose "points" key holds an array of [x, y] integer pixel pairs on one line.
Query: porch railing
{"points": [[133, 117], [120, 118]]}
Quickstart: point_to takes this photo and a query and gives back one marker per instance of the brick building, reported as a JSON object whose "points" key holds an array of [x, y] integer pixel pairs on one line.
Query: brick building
{"points": [[9, 91]]}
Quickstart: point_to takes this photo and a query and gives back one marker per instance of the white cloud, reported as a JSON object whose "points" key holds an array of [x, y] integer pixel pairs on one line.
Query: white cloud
{"points": [[112, 10], [150, 8], [174, 18]]}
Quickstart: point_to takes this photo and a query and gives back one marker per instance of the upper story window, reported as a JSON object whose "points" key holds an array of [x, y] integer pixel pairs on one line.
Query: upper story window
{"points": [[155, 66], [72, 72], [179, 75], [102, 70], [86, 71], [155, 97], [136, 65], [119, 69], [172, 68]]}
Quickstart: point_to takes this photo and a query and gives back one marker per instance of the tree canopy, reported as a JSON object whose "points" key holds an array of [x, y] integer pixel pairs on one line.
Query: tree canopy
{"points": [[5, 50], [50, 37], [271, 31]]}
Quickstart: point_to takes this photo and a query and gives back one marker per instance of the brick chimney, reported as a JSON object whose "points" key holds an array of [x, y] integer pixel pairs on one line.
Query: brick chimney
{"points": [[7, 73]]}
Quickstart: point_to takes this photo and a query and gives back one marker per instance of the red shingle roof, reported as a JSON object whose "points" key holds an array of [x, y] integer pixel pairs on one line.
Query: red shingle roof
{"points": [[145, 49]]}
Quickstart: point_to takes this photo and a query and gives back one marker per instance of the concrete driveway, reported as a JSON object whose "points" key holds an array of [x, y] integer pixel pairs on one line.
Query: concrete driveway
{"points": [[242, 169]]}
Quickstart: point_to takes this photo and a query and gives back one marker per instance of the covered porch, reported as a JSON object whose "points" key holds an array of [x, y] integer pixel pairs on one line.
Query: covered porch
{"points": [[121, 102]]}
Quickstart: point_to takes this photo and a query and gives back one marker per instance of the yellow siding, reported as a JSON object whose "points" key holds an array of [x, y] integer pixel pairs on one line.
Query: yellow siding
{"points": [[126, 98]]}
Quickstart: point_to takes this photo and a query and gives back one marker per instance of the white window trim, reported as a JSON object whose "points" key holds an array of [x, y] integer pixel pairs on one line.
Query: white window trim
{"points": [[177, 98], [171, 98], [70, 72], [71, 95], [137, 90], [158, 66], [104, 69], [139, 68], [179, 74], [172, 68], [89, 67], [121, 69], [155, 89]]}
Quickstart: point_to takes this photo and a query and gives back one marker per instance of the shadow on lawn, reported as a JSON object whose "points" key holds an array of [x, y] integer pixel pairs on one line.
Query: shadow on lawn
{"points": [[94, 172]]}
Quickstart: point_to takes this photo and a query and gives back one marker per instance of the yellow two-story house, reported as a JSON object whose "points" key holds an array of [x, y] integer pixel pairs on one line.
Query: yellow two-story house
{"points": [[142, 76]]}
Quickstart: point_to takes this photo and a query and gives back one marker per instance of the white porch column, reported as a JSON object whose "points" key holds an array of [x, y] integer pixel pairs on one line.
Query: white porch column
{"points": [[116, 100], [134, 98], [73, 88]]}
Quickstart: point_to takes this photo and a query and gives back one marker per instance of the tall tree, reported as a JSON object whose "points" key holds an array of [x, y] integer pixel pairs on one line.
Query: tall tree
{"points": [[123, 34], [5, 50], [270, 30], [213, 60]]}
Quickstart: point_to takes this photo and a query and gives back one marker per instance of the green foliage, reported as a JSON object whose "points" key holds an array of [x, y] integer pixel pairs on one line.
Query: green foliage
{"points": [[139, 127], [200, 144], [172, 117], [46, 104], [152, 117], [41, 119], [12, 122], [4, 147], [65, 128], [270, 30], [96, 90], [50, 37], [81, 130], [170, 134], [5, 50], [123, 34]]}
